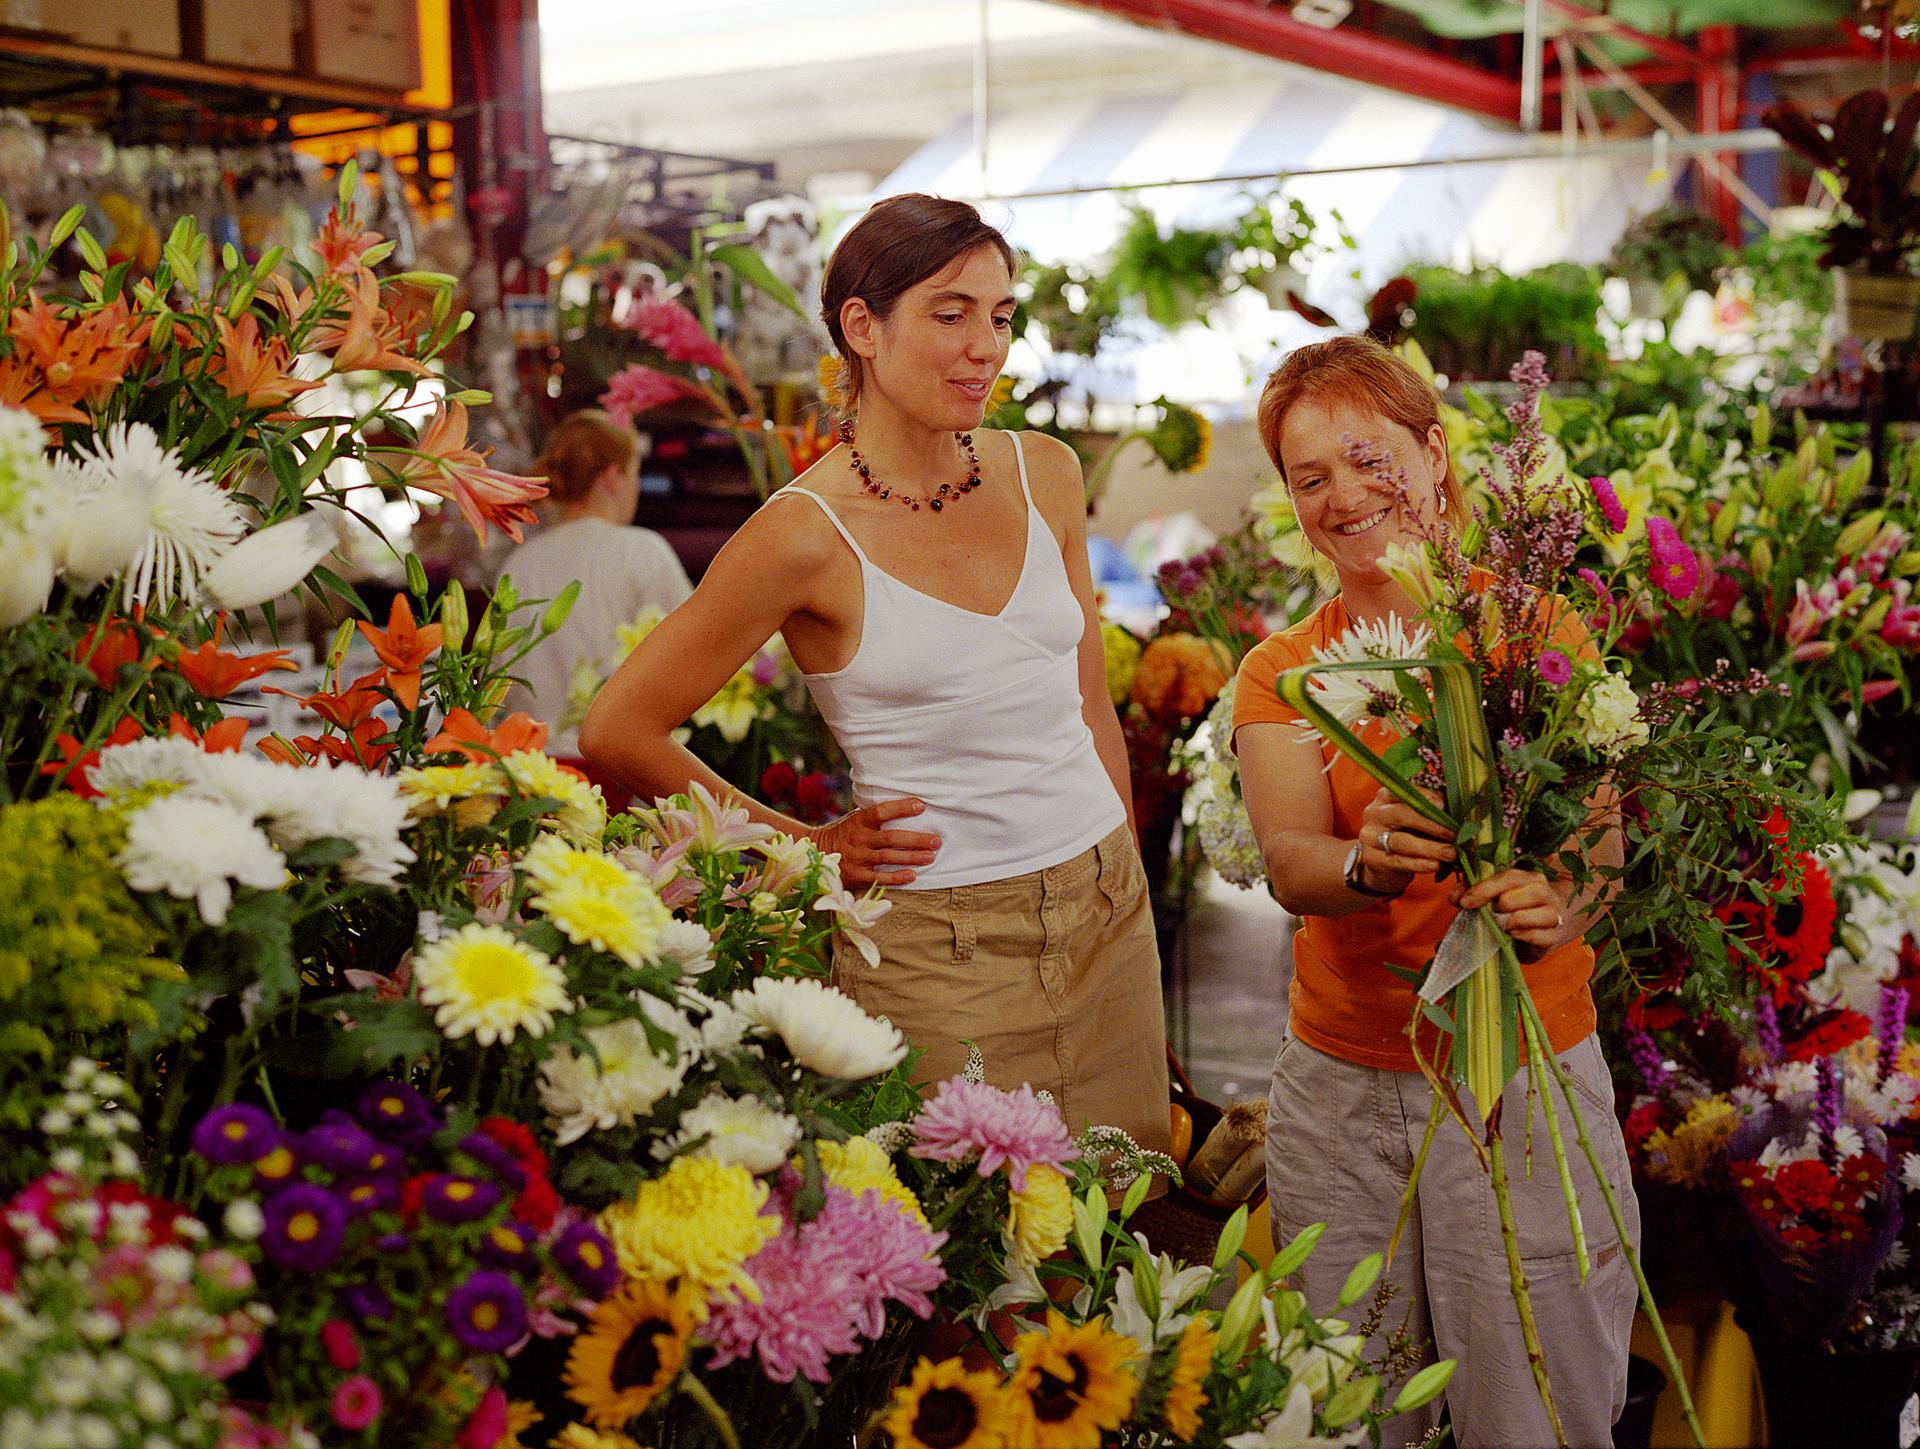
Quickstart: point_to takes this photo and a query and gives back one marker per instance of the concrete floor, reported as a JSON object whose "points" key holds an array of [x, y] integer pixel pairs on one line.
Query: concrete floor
{"points": [[1227, 993]]}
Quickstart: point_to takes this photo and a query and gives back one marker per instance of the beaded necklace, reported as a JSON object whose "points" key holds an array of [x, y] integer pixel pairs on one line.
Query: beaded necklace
{"points": [[946, 491]]}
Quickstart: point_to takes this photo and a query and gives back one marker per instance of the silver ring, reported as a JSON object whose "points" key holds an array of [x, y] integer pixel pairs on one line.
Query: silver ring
{"points": [[1386, 848]]}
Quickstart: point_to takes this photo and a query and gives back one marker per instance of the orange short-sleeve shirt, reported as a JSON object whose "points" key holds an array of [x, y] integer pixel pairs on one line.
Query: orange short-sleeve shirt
{"points": [[1344, 1001]]}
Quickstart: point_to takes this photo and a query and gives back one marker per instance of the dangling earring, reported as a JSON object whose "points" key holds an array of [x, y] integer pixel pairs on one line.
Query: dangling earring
{"points": [[1440, 496]]}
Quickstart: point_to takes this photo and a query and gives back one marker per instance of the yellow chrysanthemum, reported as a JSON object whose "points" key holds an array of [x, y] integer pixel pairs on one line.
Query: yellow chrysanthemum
{"points": [[630, 1353], [1186, 1391], [859, 1165], [430, 789], [1070, 1383], [1040, 1215], [944, 1406], [1695, 1146], [582, 816], [551, 864], [699, 1220], [579, 1436], [484, 982], [624, 923], [1122, 648]]}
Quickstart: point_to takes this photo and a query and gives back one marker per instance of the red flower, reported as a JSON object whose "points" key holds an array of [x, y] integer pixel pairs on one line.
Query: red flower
{"points": [[72, 766], [119, 644], [336, 1337], [1831, 1032], [1800, 1237], [814, 796], [1643, 1121], [1800, 930], [1806, 1186], [227, 734], [777, 781], [1863, 1172], [538, 1204]]}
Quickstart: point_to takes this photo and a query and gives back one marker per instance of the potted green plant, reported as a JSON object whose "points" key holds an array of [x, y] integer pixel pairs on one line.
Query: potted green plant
{"points": [[1668, 241], [1868, 157]]}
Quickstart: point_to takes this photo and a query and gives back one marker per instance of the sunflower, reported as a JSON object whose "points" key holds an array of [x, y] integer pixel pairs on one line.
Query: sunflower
{"points": [[943, 1406], [1186, 1390], [630, 1353], [579, 1436], [1071, 1382], [522, 1415]]}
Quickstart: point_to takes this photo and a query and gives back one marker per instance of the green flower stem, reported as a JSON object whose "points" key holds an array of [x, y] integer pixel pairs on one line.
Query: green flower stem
{"points": [[1537, 1069], [1097, 478], [691, 1386], [1676, 1375], [1435, 1116], [1517, 1277], [959, 1200]]}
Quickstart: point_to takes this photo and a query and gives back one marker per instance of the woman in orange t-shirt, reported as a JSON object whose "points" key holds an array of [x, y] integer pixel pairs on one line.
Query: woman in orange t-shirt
{"points": [[1348, 1105]]}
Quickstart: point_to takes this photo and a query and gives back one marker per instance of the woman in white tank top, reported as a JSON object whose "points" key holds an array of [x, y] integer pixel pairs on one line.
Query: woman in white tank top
{"points": [[932, 584]]}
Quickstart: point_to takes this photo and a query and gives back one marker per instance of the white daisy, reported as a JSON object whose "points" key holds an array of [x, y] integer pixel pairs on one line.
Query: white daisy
{"points": [[1847, 1141], [189, 520], [686, 946], [740, 1132], [197, 850], [582, 1095], [171, 759], [1352, 695], [825, 1031]]}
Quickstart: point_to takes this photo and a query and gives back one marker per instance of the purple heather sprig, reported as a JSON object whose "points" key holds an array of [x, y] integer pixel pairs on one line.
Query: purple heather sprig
{"points": [[1826, 1104]]}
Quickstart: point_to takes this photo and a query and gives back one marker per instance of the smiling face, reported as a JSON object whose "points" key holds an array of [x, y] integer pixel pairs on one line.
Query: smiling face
{"points": [[1348, 513], [936, 355]]}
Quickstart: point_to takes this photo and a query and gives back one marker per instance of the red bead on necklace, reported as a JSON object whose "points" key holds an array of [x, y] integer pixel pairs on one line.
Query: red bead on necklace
{"points": [[945, 493]]}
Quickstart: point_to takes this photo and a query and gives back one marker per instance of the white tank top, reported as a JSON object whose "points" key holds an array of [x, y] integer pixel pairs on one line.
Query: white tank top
{"points": [[976, 714]]}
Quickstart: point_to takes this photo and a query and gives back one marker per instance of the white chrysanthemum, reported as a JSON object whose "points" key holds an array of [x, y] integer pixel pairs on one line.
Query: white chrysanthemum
{"points": [[686, 946], [1353, 695], [825, 1031], [485, 982], [197, 850], [1910, 1171], [740, 1132], [1608, 716], [169, 759], [323, 801], [26, 576], [268, 564], [29, 494], [722, 1029], [582, 1095], [189, 520]]}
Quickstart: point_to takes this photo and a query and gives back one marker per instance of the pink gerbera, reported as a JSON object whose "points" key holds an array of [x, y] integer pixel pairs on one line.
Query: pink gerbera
{"points": [[676, 332], [971, 1119], [1674, 566]]}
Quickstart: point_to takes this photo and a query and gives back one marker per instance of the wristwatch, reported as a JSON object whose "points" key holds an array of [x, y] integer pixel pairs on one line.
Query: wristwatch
{"points": [[1354, 874]]}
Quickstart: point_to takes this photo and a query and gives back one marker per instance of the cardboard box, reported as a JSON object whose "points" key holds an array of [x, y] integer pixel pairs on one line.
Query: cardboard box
{"points": [[371, 42], [249, 34], [150, 28]]}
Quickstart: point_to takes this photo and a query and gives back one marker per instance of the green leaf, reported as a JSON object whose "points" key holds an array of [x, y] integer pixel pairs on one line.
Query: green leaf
{"points": [[327, 579], [318, 854], [750, 267]]}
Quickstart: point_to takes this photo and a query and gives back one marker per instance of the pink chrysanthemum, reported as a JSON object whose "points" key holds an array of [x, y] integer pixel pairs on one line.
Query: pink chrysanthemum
{"points": [[635, 390], [895, 1258], [1608, 501], [967, 1119], [676, 332], [1673, 566]]}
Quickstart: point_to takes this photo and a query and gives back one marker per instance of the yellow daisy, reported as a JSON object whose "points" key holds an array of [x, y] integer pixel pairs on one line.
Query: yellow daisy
{"points": [[699, 1220], [1070, 1383], [484, 982], [859, 1165], [943, 1406], [1186, 1391], [630, 1354], [582, 812], [1040, 1215], [626, 922], [430, 789], [550, 863], [579, 1436]]}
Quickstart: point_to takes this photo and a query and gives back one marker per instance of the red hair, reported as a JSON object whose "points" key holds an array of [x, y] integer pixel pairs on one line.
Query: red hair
{"points": [[1361, 373]]}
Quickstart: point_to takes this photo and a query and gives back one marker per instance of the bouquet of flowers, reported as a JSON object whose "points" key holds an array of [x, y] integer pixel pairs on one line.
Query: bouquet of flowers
{"points": [[1517, 739]]}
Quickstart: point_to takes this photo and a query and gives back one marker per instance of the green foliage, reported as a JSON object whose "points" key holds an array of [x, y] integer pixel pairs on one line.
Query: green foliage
{"points": [[1669, 240], [1476, 324]]}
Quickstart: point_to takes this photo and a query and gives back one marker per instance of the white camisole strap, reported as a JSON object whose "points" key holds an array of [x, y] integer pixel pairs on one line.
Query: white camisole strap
{"points": [[832, 518], [1020, 460]]}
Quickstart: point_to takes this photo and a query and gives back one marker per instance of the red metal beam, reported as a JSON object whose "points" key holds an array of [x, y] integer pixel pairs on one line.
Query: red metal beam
{"points": [[1648, 73], [1717, 97], [1823, 57], [1655, 45], [1351, 52]]}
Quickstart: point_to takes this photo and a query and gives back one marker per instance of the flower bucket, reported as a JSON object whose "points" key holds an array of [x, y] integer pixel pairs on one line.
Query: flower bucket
{"points": [[1876, 308], [1817, 1398]]}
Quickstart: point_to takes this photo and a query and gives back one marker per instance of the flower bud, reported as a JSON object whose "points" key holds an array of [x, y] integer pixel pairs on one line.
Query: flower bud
{"points": [[1237, 1322], [1859, 533], [453, 615]]}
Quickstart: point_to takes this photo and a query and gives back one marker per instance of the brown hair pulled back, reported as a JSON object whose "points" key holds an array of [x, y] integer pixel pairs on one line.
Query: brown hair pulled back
{"points": [[584, 446], [901, 241], [1362, 373]]}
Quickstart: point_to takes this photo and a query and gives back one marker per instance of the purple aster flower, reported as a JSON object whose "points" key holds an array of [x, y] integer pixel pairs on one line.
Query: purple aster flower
{"points": [[507, 1245], [586, 1256], [396, 1112], [1673, 566], [487, 1312], [366, 1302], [370, 1194], [451, 1199], [304, 1224], [341, 1145], [393, 1243], [237, 1132], [1608, 501], [278, 1166], [1555, 667], [1647, 1061], [495, 1159], [971, 1119]]}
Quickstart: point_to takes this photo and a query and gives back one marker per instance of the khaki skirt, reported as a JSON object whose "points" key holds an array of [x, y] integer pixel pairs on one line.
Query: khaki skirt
{"points": [[1053, 975]]}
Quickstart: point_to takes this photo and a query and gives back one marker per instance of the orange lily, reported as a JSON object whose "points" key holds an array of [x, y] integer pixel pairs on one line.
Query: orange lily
{"points": [[403, 649], [342, 242], [465, 735], [21, 387], [214, 673], [72, 766], [252, 373], [367, 340], [442, 463], [347, 709], [280, 752], [119, 645], [227, 734], [359, 746], [79, 359]]}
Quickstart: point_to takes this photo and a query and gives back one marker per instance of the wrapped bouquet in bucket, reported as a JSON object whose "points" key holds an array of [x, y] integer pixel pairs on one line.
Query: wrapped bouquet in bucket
{"points": [[1510, 729]]}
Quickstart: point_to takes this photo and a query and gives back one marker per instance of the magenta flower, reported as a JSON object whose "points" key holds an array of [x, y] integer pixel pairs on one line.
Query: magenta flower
{"points": [[1901, 628], [1811, 609], [1608, 501], [1672, 565], [971, 1119], [1555, 667], [356, 1402], [635, 390], [342, 1348], [676, 332]]}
